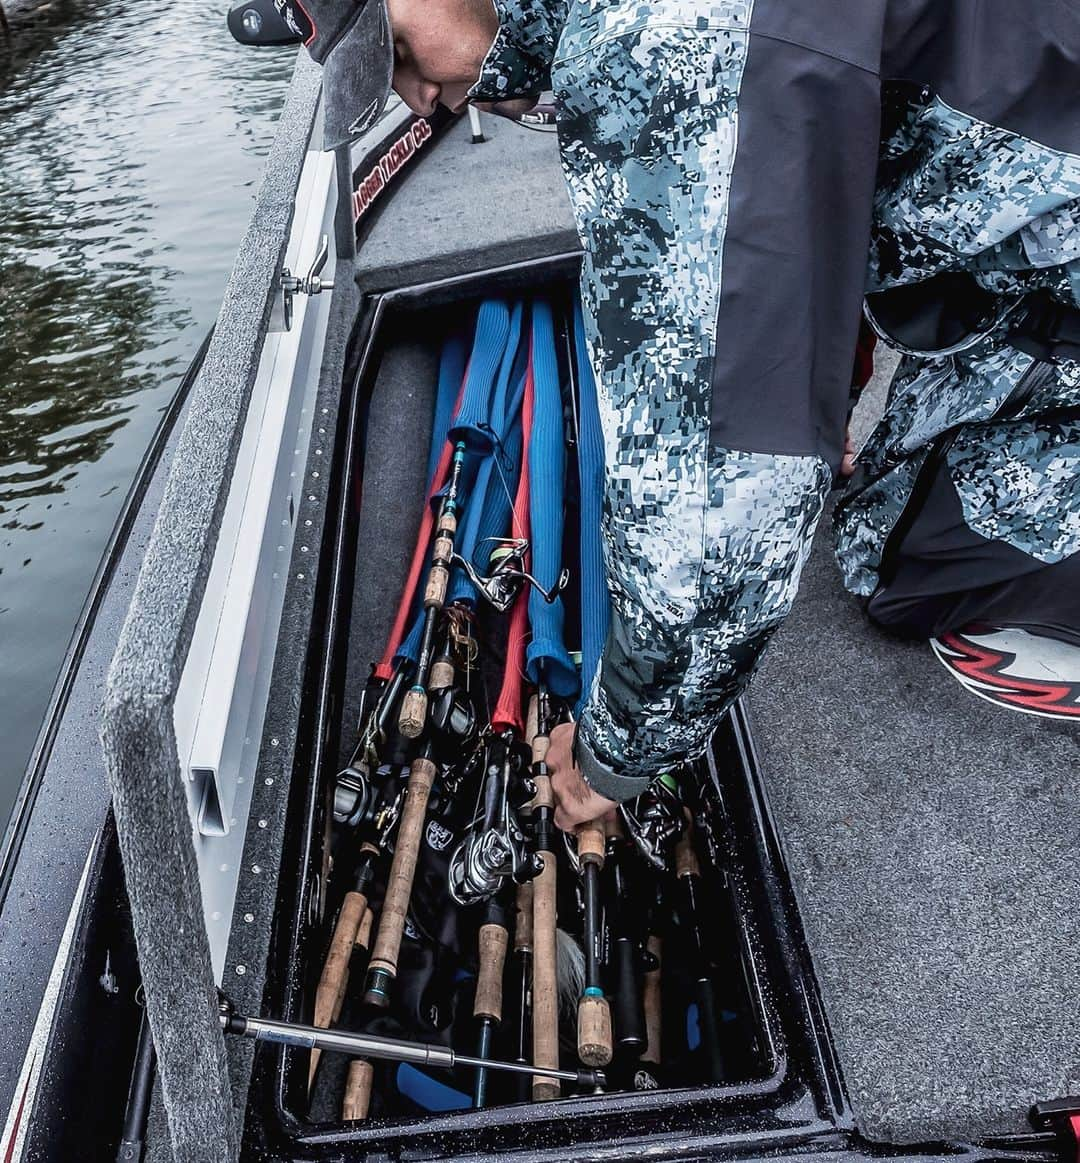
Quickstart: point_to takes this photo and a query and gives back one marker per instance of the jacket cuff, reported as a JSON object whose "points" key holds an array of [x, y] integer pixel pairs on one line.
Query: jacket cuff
{"points": [[601, 777]]}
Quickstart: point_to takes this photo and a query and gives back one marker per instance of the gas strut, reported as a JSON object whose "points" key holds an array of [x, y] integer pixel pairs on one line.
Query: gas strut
{"points": [[371, 1046], [138, 1102]]}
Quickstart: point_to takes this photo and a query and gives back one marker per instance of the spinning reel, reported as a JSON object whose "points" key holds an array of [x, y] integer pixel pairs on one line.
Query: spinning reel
{"points": [[508, 574]]}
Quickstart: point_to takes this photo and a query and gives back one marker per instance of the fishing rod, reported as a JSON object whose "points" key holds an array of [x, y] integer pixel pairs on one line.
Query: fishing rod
{"points": [[648, 1073], [356, 1100], [391, 673], [624, 944], [382, 969], [372, 1046], [469, 433], [413, 715], [334, 978], [523, 975], [594, 1038], [545, 992], [487, 1007], [688, 877], [494, 849]]}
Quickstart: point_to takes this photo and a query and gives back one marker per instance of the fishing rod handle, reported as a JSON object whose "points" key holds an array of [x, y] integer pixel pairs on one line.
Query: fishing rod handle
{"points": [[435, 590], [591, 843], [545, 981], [523, 918], [382, 968], [330, 995], [357, 959], [357, 1101], [489, 981], [651, 995], [442, 673], [335, 974], [595, 1045]]}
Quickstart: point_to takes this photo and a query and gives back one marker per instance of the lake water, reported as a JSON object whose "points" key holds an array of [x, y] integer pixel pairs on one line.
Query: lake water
{"points": [[132, 138]]}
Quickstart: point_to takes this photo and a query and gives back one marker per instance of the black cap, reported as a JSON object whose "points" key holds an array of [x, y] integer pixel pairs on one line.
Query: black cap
{"points": [[351, 40]]}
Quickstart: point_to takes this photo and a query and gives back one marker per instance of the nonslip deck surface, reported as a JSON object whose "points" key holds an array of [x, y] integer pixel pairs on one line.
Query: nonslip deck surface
{"points": [[933, 842]]}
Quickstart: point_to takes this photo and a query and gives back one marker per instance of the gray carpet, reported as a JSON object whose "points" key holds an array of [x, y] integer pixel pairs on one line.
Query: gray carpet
{"points": [[400, 419], [933, 840]]}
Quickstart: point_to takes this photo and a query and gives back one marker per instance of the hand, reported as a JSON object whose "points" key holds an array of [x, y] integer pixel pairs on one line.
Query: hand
{"points": [[512, 109], [575, 802], [847, 465]]}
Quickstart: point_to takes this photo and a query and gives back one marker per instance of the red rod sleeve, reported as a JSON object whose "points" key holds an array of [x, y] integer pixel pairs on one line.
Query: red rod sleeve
{"points": [[509, 711]]}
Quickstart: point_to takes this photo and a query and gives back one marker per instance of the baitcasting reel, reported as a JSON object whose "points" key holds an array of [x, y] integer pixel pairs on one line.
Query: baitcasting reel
{"points": [[655, 820], [508, 574], [495, 848]]}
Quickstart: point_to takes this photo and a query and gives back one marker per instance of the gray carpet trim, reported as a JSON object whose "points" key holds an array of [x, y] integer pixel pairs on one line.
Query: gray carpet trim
{"points": [[137, 730], [932, 838]]}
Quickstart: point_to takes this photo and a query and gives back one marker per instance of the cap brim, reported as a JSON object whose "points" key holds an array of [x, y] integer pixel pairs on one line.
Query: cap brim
{"points": [[356, 76]]}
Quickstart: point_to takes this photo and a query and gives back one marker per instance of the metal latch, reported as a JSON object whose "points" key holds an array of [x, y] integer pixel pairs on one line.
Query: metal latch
{"points": [[310, 284]]}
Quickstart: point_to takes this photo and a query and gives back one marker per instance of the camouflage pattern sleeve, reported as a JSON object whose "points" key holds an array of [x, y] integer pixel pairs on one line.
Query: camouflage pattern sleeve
{"points": [[704, 543]]}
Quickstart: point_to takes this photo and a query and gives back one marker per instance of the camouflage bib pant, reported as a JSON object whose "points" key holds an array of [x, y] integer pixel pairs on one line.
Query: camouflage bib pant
{"points": [[722, 160]]}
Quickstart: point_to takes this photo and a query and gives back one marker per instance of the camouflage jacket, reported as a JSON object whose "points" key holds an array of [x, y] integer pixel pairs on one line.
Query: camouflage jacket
{"points": [[729, 174]]}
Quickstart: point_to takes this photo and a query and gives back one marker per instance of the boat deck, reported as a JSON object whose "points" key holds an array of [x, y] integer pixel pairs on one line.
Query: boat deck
{"points": [[932, 840]]}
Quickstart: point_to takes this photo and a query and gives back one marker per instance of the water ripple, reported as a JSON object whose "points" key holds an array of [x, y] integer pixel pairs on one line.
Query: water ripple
{"points": [[131, 140]]}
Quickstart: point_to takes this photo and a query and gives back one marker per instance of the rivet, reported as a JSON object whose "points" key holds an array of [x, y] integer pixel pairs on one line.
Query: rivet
{"points": [[308, 522], [303, 549], [322, 431], [311, 496], [262, 823], [256, 869], [325, 411], [240, 971], [300, 576], [318, 452], [269, 781], [274, 742], [315, 475], [249, 917]]}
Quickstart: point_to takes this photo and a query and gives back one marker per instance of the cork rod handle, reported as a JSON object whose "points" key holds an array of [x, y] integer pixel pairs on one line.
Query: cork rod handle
{"points": [[403, 868]]}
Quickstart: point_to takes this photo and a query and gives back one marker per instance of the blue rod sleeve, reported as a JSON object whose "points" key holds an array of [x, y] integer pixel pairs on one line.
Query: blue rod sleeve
{"points": [[492, 481], [473, 423], [546, 658], [595, 599], [489, 347], [451, 373]]}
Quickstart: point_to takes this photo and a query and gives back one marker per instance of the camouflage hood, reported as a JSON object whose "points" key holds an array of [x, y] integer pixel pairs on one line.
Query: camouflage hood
{"points": [[518, 64]]}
